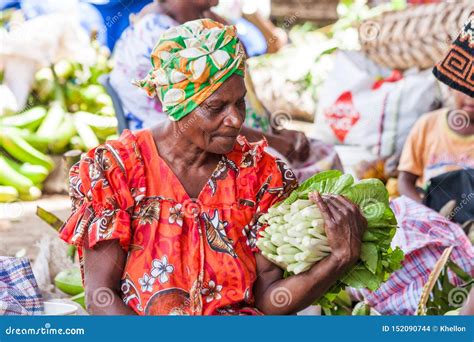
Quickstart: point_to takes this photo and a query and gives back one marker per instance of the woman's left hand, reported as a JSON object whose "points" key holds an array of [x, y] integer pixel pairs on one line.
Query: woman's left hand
{"points": [[344, 225], [294, 145]]}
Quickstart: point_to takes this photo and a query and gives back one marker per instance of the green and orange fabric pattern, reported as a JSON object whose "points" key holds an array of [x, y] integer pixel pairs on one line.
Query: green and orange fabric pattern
{"points": [[190, 62]]}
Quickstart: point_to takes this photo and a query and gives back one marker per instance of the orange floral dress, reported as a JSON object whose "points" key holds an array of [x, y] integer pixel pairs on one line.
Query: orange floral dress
{"points": [[191, 256]]}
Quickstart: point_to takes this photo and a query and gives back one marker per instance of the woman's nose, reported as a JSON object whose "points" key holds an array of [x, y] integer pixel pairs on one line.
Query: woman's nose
{"points": [[234, 118]]}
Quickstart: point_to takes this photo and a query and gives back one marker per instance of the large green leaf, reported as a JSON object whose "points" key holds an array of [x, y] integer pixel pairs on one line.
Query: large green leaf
{"points": [[318, 182], [369, 255], [445, 296], [334, 186], [395, 259], [366, 192], [360, 277], [459, 271]]}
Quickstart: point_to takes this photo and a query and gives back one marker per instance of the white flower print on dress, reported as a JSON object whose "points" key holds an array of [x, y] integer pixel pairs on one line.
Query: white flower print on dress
{"points": [[176, 215], [250, 230], [146, 282], [161, 268], [212, 291]]}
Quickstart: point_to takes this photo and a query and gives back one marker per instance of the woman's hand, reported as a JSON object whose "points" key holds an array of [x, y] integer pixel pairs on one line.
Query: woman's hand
{"points": [[344, 226], [293, 145]]}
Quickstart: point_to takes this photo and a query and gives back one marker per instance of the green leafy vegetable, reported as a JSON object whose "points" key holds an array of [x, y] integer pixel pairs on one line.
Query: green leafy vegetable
{"points": [[445, 296], [295, 238]]}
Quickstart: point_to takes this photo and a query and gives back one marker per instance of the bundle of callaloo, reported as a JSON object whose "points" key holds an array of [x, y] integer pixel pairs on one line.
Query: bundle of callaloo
{"points": [[295, 237]]}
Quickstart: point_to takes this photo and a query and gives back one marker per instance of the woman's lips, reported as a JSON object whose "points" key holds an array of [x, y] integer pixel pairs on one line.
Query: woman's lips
{"points": [[227, 136]]}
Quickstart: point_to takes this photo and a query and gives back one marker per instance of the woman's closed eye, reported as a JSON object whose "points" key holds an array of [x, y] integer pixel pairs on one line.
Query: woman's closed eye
{"points": [[216, 109], [241, 103]]}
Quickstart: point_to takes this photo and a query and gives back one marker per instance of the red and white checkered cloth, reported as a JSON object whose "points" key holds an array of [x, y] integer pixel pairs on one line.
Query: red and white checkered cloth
{"points": [[423, 235], [19, 292]]}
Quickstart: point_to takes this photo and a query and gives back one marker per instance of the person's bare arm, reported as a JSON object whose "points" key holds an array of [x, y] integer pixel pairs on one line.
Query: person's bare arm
{"points": [[344, 225], [407, 187], [293, 145], [216, 17], [103, 269], [277, 296], [251, 134], [147, 9], [468, 307]]}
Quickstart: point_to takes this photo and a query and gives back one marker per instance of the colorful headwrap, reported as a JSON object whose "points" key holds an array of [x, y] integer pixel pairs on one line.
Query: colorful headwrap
{"points": [[190, 62], [457, 68]]}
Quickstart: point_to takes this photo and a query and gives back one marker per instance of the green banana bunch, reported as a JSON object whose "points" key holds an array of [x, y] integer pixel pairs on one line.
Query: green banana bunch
{"points": [[86, 133], [51, 122], [10, 177], [44, 85], [36, 173], [29, 119], [8, 193], [12, 142], [61, 138], [103, 126]]}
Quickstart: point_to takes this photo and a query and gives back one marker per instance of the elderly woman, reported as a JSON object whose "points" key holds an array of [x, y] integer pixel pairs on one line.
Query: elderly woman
{"points": [[166, 218]]}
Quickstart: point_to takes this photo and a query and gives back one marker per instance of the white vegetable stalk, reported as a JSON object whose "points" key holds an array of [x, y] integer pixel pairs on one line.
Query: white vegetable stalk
{"points": [[295, 238]]}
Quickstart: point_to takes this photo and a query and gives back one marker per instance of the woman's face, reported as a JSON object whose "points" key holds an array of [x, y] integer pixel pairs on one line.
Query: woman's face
{"points": [[216, 123], [464, 102]]}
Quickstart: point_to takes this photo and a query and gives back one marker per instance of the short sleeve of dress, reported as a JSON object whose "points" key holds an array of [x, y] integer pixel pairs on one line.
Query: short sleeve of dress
{"points": [[277, 183], [104, 187]]}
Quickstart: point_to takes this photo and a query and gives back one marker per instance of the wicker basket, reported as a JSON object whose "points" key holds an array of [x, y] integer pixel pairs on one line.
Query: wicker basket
{"points": [[433, 277], [418, 36], [320, 12]]}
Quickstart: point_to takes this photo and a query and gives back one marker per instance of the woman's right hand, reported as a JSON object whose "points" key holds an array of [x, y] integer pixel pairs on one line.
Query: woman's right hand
{"points": [[344, 225]]}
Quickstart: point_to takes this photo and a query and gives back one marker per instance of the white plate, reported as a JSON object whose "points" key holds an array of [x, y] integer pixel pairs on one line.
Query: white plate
{"points": [[59, 309]]}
